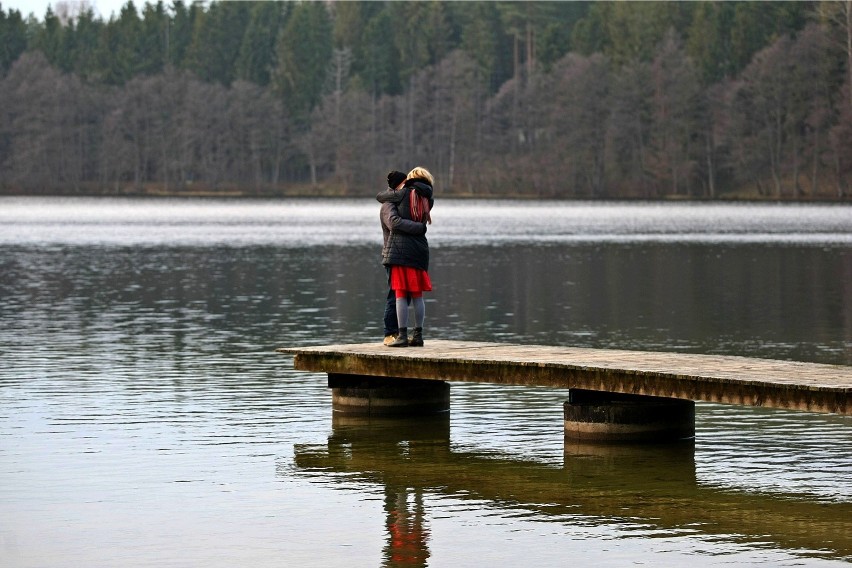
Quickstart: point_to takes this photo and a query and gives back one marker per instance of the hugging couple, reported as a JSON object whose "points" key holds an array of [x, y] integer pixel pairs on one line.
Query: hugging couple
{"points": [[405, 211]]}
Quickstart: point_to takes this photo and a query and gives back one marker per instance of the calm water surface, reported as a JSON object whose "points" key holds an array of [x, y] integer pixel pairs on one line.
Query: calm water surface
{"points": [[145, 419]]}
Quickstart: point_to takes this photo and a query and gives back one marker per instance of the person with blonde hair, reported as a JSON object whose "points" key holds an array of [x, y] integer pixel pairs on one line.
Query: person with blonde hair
{"points": [[406, 254]]}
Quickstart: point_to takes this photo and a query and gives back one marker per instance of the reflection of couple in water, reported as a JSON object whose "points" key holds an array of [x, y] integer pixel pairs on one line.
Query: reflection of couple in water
{"points": [[408, 536], [405, 211]]}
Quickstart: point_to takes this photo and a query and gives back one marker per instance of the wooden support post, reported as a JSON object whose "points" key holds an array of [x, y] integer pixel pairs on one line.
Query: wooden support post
{"points": [[387, 396], [598, 416]]}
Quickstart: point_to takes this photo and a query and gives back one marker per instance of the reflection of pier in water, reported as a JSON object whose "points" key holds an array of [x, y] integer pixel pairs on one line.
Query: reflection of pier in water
{"points": [[649, 485]]}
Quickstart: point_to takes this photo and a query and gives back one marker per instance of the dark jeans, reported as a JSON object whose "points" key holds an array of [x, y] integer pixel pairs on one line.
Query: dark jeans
{"points": [[391, 325], [391, 322]]}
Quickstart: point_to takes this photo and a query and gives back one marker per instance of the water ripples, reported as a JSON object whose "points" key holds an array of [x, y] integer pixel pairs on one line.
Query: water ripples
{"points": [[145, 419]]}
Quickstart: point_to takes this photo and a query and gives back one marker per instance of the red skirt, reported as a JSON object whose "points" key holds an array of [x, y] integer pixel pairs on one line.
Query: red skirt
{"points": [[409, 279]]}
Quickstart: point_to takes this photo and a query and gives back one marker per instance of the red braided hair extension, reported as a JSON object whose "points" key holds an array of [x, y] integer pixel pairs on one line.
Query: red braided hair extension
{"points": [[419, 206]]}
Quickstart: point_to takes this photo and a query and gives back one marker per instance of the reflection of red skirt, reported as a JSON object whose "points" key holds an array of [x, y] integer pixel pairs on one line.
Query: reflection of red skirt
{"points": [[409, 279]]}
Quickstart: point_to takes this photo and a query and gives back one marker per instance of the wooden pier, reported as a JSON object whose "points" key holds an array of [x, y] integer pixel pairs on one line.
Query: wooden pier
{"points": [[713, 378]]}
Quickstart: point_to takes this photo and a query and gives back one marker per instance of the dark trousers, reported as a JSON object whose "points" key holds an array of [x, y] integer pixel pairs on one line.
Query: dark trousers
{"points": [[391, 324]]}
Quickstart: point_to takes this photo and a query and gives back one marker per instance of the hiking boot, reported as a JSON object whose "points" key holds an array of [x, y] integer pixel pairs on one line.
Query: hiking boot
{"points": [[416, 338], [401, 339]]}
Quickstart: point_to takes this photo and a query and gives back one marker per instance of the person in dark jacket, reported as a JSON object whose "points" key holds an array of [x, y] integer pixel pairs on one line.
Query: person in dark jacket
{"points": [[396, 180], [407, 254]]}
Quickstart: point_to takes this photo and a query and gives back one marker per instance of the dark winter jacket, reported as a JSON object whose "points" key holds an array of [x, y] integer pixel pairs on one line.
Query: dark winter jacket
{"points": [[405, 240]]}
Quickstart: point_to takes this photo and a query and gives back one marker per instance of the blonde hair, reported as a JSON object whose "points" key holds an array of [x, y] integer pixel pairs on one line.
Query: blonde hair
{"points": [[419, 172]]}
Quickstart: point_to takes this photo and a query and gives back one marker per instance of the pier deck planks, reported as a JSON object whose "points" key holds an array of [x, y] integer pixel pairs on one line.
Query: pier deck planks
{"points": [[713, 378]]}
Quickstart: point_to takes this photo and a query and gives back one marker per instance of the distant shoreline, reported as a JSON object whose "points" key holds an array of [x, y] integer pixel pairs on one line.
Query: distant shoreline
{"points": [[302, 193]]}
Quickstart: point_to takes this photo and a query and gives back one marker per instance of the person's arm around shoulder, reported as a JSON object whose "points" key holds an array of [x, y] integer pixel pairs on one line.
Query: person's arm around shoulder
{"points": [[390, 196]]}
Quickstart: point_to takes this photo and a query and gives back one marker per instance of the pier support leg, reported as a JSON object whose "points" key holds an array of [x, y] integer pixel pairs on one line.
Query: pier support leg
{"points": [[387, 396], [598, 416]]}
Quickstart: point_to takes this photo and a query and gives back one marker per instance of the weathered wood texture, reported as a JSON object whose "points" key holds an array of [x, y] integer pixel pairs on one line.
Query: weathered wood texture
{"points": [[713, 378]]}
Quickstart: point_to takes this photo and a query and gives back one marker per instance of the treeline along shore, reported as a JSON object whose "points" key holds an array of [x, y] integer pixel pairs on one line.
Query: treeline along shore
{"points": [[616, 100]]}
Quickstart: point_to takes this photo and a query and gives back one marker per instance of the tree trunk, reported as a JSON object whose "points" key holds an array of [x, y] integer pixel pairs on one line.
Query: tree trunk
{"points": [[516, 94], [409, 122], [838, 177], [641, 149], [775, 151], [815, 162], [312, 163], [711, 174], [847, 6], [452, 149], [796, 190], [531, 49]]}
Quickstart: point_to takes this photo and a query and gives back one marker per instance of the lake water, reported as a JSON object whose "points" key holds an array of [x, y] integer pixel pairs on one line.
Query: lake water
{"points": [[146, 420]]}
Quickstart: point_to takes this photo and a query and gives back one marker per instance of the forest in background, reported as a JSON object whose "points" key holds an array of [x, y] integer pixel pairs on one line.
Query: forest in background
{"points": [[654, 100]]}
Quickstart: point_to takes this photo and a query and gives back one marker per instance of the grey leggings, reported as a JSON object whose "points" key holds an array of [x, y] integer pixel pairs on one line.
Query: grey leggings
{"points": [[402, 311]]}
